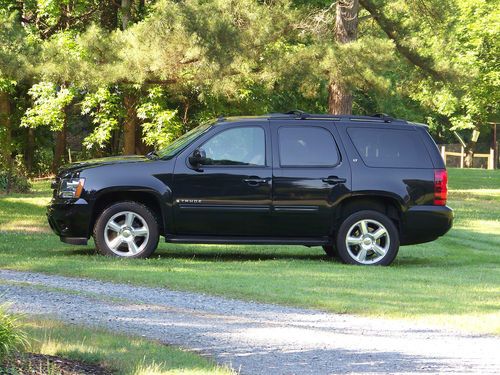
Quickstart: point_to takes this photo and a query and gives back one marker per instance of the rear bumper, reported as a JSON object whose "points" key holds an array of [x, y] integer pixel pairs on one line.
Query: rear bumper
{"points": [[425, 223], [70, 220]]}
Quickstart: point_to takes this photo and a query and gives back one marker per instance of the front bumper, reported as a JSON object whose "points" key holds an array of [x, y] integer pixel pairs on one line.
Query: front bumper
{"points": [[70, 220], [421, 224]]}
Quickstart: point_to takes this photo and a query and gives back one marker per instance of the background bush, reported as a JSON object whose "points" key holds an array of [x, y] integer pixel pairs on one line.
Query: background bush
{"points": [[16, 179]]}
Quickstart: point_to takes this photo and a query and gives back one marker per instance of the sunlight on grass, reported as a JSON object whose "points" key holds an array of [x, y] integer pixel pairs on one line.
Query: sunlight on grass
{"points": [[123, 354], [484, 226]]}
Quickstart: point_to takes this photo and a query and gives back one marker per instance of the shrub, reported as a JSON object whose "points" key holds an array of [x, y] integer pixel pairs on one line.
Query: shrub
{"points": [[11, 336], [42, 162], [16, 180]]}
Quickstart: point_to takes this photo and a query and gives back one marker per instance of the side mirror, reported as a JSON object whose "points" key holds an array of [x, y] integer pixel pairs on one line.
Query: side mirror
{"points": [[198, 157]]}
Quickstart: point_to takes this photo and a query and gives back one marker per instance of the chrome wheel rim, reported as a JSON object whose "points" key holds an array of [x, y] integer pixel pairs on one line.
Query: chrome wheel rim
{"points": [[126, 233], [367, 241]]}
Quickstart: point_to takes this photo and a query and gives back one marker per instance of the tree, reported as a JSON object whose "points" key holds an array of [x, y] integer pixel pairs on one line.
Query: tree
{"points": [[50, 109], [14, 66], [345, 31], [454, 51]]}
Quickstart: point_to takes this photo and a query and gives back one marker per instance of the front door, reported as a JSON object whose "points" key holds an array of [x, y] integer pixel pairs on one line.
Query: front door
{"points": [[230, 193], [309, 179]]}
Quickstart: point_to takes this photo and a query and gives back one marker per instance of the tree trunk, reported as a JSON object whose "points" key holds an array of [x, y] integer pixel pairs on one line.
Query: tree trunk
{"points": [[129, 125], [339, 99], [346, 31], [60, 148], [126, 7], [130, 122], [5, 125], [30, 149], [141, 148], [109, 15]]}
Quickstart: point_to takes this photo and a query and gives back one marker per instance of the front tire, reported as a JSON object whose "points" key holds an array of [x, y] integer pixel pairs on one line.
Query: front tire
{"points": [[126, 229], [368, 238], [330, 251]]}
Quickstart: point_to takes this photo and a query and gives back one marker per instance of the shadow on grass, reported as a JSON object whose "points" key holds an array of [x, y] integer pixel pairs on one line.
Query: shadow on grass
{"points": [[215, 255]]}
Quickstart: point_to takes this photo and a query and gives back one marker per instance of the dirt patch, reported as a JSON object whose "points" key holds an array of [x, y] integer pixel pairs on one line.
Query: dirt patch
{"points": [[39, 364]]}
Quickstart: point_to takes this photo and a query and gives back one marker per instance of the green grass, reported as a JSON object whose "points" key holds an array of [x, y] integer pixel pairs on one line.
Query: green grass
{"points": [[453, 281], [119, 353]]}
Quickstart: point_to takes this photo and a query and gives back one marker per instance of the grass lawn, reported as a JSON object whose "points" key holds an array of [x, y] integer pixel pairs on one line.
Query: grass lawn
{"points": [[118, 353], [454, 281]]}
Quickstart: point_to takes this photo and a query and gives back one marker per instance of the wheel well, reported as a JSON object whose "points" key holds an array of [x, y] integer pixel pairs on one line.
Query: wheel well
{"points": [[387, 206], [145, 198]]}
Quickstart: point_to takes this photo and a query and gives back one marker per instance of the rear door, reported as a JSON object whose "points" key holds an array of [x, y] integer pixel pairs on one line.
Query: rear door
{"points": [[310, 177]]}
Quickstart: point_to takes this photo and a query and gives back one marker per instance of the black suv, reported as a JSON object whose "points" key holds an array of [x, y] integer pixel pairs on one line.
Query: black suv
{"points": [[358, 186]]}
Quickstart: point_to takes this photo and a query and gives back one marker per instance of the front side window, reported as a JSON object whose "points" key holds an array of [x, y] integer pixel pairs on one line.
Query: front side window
{"points": [[307, 146], [237, 146]]}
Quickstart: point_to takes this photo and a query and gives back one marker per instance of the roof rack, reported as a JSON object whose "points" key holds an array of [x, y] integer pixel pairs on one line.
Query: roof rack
{"points": [[378, 117]]}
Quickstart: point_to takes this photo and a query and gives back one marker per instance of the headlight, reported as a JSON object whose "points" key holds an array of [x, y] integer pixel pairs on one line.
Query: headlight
{"points": [[71, 187]]}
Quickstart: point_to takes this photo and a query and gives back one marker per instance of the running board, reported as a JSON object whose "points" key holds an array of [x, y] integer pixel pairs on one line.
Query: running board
{"points": [[314, 241]]}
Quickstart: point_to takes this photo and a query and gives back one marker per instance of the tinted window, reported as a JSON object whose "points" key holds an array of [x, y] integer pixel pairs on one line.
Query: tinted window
{"points": [[237, 146], [307, 146], [390, 148]]}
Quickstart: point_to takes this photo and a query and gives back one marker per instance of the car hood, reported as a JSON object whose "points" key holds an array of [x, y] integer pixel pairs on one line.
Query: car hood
{"points": [[92, 163]]}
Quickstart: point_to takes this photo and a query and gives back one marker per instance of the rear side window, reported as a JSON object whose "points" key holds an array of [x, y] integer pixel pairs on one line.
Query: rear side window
{"points": [[307, 146], [393, 148]]}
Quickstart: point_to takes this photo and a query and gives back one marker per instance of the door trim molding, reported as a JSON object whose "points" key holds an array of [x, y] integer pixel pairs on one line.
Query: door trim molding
{"points": [[224, 207], [298, 208]]}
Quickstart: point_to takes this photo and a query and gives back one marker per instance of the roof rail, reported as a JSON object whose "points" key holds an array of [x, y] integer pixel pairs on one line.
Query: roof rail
{"points": [[298, 113], [301, 115], [383, 116]]}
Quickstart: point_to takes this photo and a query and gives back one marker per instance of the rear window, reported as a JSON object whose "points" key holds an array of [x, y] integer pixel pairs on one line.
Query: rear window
{"points": [[393, 148]]}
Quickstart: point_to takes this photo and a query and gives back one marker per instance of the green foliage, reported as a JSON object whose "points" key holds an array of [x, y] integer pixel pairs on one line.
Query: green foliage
{"points": [[461, 38], [198, 59], [11, 337], [16, 49], [161, 125], [42, 162], [106, 110], [49, 103]]}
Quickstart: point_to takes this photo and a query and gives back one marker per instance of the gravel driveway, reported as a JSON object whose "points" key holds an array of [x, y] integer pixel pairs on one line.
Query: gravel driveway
{"points": [[254, 338]]}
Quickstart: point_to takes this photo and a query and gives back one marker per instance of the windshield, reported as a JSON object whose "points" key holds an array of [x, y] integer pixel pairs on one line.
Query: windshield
{"points": [[177, 145]]}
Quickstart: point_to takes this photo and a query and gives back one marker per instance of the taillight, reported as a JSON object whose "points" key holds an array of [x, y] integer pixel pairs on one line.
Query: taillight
{"points": [[440, 187]]}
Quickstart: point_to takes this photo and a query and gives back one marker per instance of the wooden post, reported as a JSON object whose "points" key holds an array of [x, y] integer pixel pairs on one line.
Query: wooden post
{"points": [[462, 156], [491, 159], [443, 153], [495, 146]]}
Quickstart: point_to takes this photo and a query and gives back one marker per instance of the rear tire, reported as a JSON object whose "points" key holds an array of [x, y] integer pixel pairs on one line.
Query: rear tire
{"points": [[126, 230], [367, 238]]}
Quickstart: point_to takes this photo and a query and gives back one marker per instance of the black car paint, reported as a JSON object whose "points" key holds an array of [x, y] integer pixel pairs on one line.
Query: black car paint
{"points": [[248, 204]]}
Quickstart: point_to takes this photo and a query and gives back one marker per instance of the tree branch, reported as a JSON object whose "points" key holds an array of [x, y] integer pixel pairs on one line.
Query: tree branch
{"points": [[390, 28]]}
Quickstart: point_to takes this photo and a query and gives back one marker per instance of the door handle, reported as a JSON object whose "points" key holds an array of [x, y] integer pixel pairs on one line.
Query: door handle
{"points": [[334, 180], [254, 181]]}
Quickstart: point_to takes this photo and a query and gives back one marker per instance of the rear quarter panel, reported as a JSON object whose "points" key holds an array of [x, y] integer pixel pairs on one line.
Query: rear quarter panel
{"points": [[408, 186]]}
